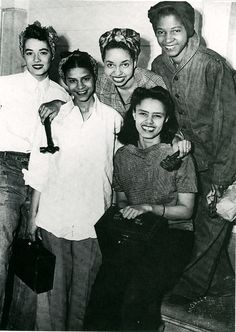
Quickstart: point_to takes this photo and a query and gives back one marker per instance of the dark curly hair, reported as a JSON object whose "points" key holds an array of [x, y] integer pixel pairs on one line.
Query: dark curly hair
{"points": [[37, 31], [129, 133]]}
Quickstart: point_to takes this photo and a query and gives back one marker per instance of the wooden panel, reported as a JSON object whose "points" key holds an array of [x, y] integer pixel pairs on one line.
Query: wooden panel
{"points": [[13, 21]]}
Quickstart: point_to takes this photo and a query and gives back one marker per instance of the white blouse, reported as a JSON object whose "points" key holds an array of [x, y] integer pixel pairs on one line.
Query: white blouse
{"points": [[75, 182], [20, 97]]}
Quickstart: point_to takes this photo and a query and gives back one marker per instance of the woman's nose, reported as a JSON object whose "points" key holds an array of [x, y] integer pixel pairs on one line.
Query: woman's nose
{"points": [[80, 85], [117, 70], [168, 37], [36, 57], [150, 119]]}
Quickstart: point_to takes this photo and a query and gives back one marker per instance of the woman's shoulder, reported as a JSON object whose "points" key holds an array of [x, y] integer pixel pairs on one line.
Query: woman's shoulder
{"points": [[8, 81], [188, 165], [104, 84], [107, 110], [147, 78], [123, 151]]}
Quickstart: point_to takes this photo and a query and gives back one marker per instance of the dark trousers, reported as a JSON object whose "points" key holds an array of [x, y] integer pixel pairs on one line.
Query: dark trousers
{"points": [[13, 195], [209, 264], [128, 296]]}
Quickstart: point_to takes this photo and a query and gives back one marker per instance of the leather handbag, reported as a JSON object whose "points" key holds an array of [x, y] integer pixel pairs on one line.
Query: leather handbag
{"points": [[121, 238], [34, 265]]}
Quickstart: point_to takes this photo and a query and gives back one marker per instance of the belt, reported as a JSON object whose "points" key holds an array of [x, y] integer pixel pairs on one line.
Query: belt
{"points": [[14, 155]]}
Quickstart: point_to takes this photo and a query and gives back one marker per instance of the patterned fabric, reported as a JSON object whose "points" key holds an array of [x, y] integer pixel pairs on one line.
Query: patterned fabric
{"points": [[50, 32], [108, 94], [184, 10], [129, 37], [78, 54], [138, 174]]}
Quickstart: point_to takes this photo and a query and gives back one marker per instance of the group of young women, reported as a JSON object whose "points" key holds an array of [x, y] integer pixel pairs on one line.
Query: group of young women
{"points": [[113, 133], [72, 188]]}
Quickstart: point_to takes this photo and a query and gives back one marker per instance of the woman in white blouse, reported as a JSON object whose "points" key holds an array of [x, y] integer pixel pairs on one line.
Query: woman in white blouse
{"points": [[72, 189]]}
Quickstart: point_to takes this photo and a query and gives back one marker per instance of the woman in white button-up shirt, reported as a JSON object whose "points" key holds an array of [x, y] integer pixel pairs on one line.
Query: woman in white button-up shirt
{"points": [[72, 189]]}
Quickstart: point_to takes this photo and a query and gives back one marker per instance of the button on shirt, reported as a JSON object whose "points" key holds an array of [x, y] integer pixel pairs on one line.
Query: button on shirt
{"points": [[75, 182], [20, 97]]}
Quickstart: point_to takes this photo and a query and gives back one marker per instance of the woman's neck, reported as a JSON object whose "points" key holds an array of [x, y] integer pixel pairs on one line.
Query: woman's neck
{"points": [[127, 90], [85, 107], [144, 143]]}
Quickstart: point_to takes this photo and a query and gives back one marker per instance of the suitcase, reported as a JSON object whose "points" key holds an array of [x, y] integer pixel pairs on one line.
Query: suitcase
{"points": [[34, 265], [124, 239]]}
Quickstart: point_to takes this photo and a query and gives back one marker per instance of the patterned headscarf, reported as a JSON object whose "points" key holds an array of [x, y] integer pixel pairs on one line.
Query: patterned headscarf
{"points": [[36, 31], [183, 9], [78, 54], [129, 37]]}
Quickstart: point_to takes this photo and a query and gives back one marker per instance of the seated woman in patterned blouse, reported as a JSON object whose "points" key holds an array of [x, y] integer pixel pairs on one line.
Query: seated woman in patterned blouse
{"points": [[128, 296]]}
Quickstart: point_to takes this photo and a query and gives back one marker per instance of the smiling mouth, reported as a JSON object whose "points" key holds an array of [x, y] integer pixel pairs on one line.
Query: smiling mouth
{"points": [[148, 128], [118, 79], [81, 93], [169, 48], [37, 66]]}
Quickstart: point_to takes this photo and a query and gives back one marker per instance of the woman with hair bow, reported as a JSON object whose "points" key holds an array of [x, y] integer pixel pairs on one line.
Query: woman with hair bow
{"points": [[71, 191]]}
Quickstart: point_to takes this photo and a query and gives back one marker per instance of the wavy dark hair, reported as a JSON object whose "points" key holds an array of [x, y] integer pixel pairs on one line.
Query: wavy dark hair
{"points": [[37, 31], [129, 134]]}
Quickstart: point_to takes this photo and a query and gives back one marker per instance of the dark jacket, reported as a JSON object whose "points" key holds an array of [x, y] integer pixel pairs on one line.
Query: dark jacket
{"points": [[203, 89]]}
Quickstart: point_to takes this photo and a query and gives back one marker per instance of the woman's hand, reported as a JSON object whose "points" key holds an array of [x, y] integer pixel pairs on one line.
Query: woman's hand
{"points": [[132, 211], [33, 231], [184, 147], [50, 109]]}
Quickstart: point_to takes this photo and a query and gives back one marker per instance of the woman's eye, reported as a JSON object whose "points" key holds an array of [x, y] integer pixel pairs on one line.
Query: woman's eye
{"points": [[125, 65], [109, 65], [160, 32], [28, 53], [72, 81], [177, 31], [86, 79], [44, 53]]}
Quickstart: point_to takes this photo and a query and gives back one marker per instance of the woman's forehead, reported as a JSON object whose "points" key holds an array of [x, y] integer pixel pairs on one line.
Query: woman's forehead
{"points": [[116, 54], [151, 105], [36, 43]]}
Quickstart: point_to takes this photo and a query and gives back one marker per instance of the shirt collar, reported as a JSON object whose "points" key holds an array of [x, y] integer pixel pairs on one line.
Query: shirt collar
{"points": [[69, 106], [32, 83], [191, 49]]}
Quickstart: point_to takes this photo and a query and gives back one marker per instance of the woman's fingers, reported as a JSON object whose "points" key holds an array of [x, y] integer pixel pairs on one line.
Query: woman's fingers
{"points": [[129, 212], [184, 148]]}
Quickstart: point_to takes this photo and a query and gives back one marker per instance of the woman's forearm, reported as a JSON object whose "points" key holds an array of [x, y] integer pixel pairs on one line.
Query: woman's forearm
{"points": [[172, 212], [34, 203]]}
